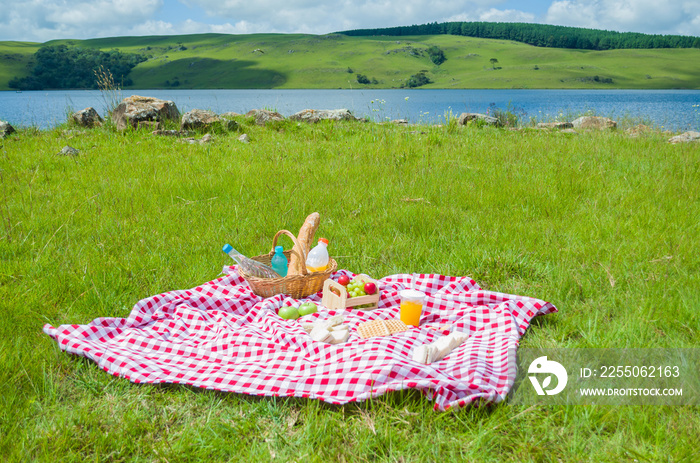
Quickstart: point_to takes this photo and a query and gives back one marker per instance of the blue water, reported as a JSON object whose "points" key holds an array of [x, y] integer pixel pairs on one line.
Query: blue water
{"points": [[668, 109]]}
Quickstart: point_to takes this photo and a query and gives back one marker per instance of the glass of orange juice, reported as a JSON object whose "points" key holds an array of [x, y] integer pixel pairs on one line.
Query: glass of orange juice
{"points": [[411, 306]]}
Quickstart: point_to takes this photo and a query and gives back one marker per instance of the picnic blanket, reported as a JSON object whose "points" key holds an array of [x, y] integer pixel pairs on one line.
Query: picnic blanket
{"points": [[221, 336]]}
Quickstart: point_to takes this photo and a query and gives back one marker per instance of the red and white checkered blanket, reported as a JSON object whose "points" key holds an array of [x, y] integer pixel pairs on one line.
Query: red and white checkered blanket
{"points": [[222, 336]]}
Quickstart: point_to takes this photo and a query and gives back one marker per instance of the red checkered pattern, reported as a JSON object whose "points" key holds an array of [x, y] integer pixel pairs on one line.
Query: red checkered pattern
{"points": [[222, 336]]}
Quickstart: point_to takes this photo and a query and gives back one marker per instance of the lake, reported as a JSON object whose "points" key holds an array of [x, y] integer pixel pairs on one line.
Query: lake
{"points": [[677, 110]]}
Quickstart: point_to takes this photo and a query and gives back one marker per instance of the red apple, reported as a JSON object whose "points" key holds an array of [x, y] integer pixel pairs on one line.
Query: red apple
{"points": [[370, 288], [343, 280]]}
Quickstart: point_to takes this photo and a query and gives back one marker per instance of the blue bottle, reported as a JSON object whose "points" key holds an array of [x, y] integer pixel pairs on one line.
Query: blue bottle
{"points": [[279, 261]]}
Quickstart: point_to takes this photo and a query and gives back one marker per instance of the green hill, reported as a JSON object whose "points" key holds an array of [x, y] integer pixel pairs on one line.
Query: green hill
{"points": [[334, 60]]}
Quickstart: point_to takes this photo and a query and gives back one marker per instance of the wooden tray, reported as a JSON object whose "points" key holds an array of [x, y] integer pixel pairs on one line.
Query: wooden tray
{"points": [[341, 302]]}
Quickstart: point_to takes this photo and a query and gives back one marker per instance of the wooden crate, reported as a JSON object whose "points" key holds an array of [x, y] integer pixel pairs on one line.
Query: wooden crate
{"points": [[341, 302]]}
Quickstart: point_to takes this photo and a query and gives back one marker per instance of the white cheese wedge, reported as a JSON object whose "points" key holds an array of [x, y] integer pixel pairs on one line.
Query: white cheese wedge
{"points": [[320, 334], [339, 336]]}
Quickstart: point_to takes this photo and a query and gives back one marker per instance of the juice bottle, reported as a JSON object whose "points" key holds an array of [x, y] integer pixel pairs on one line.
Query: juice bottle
{"points": [[279, 262], [318, 258]]}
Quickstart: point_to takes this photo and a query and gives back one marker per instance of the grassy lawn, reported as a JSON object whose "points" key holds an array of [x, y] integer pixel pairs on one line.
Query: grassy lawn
{"points": [[602, 224]]}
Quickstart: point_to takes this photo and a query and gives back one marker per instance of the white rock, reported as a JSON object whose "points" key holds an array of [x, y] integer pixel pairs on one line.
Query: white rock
{"points": [[686, 137]]}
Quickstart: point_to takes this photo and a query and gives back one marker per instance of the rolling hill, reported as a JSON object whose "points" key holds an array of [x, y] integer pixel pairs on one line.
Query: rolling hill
{"points": [[335, 60]]}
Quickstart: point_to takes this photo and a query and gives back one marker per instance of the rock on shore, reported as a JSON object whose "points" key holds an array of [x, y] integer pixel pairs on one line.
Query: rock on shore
{"points": [[204, 119], [686, 137], [316, 115], [5, 129], [466, 118], [87, 117], [594, 122], [134, 110], [263, 116]]}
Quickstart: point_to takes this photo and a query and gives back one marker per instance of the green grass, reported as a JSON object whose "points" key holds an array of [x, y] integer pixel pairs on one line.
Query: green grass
{"points": [[14, 59], [601, 224], [313, 61]]}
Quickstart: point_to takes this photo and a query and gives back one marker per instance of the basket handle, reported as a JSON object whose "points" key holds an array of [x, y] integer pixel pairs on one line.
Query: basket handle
{"points": [[294, 240]]}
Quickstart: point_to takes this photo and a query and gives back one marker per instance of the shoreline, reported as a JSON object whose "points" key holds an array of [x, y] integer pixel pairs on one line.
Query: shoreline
{"points": [[675, 110], [362, 88]]}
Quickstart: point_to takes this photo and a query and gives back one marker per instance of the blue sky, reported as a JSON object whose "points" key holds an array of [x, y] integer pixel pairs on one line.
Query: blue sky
{"points": [[43, 20]]}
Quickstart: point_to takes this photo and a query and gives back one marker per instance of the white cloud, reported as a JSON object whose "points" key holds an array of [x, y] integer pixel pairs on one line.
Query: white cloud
{"points": [[186, 27], [316, 17], [692, 27], [42, 20], [102, 12], [152, 28], [648, 16], [494, 15]]}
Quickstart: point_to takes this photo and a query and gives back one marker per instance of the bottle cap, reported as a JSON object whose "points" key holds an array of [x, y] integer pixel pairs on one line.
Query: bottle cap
{"points": [[227, 248], [279, 249], [323, 240]]}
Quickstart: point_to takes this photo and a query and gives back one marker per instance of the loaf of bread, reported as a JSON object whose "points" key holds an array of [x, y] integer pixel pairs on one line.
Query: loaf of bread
{"points": [[297, 259]]}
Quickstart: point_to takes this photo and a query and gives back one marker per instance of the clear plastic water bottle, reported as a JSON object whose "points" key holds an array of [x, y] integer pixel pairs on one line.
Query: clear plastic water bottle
{"points": [[250, 266], [318, 258], [279, 261]]}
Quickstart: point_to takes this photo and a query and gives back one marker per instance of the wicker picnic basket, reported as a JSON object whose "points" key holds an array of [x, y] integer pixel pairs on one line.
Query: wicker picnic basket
{"points": [[297, 286]]}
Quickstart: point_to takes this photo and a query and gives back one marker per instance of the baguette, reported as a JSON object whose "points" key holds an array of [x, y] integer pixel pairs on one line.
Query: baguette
{"points": [[297, 259]]}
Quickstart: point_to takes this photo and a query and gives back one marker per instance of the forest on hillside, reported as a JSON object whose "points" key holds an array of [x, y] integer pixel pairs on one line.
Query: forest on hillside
{"points": [[60, 66], [540, 35]]}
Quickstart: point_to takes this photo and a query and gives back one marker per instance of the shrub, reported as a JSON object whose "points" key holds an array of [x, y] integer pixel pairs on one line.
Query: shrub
{"points": [[416, 80], [437, 56], [362, 79]]}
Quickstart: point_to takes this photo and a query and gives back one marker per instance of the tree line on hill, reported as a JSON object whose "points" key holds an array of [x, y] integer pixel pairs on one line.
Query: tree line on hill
{"points": [[60, 66], [540, 35]]}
